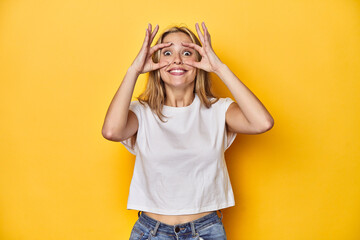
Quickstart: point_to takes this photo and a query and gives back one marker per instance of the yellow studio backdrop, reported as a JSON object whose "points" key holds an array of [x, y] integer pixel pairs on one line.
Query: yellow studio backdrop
{"points": [[62, 62]]}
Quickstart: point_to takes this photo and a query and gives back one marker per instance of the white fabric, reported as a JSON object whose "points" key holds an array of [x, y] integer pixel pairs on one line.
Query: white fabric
{"points": [[180, 166]]}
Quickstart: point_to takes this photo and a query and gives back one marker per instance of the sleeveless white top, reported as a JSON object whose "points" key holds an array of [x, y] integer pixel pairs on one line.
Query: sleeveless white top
{"points": [[180, 166]]}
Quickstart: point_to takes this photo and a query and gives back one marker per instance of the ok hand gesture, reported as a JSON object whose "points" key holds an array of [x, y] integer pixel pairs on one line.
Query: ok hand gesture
{"points": [[143, 62], [209, 61]]}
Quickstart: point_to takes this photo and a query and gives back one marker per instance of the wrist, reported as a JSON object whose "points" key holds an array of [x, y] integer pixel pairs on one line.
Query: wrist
{"points": [[222, 67], [132, 71]]}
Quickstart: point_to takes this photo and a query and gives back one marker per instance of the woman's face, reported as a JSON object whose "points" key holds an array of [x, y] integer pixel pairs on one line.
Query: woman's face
{"points": [[177, 54]]}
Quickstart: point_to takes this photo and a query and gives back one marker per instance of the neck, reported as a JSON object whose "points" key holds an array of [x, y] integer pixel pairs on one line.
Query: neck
{"points": [[179, 100]]}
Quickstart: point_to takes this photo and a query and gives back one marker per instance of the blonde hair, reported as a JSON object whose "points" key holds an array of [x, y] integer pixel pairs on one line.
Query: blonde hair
{"points": [[154, 94]]}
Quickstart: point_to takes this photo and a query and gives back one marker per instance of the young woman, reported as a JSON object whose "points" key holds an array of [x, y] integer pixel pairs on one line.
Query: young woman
{"points": [[179, 132]]}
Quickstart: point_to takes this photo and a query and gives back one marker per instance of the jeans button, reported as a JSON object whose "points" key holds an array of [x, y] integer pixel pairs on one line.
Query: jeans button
{"points": [[177, 229]]}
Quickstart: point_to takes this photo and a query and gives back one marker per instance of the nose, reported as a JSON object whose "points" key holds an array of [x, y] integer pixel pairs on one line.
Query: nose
{"points": [[177, 59]]}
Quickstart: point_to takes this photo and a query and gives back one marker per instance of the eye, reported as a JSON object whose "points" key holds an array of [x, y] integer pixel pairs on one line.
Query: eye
{"points": [[166, 52], [188, 52]]}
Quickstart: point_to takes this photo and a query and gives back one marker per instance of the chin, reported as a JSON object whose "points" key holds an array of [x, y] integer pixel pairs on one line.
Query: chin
{"points": [[178, 83], [177, 79]]}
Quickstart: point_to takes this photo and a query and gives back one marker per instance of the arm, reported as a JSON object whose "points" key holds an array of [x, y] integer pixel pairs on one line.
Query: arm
{"points": [[115, 125], [248, 115], [121, 123]]}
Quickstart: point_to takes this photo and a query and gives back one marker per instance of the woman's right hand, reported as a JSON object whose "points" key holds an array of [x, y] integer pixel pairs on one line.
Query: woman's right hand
{"points": [[143, 62]]}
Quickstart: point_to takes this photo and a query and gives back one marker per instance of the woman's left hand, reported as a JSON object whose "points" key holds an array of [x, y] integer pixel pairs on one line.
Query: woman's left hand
{"points": [[209, 61]]}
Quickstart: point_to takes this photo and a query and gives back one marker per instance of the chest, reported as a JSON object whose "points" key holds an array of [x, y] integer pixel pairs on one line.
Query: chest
{"points": [[198, 136]]}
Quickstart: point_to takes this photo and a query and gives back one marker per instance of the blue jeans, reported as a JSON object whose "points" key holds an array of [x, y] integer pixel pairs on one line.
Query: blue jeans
{"points": [[208, 227]]}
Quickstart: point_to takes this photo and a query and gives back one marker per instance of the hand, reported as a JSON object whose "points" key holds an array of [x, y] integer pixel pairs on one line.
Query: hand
{"points": [[143, 62], [209, 61]]}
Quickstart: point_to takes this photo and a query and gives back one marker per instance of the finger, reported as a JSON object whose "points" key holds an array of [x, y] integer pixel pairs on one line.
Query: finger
{"points": [[201, 37], [206, 33], [149, 27], [154, 33], [158, 46], [145, 43], [161, 65], [199, 33], [192, 63], [195, 46]]}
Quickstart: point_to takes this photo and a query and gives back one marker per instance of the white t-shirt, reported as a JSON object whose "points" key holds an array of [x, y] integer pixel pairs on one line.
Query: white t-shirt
{"points": [[180, 166]]}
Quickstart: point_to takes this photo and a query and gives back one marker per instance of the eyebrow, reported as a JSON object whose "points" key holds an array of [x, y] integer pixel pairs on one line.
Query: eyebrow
{"points": [[173, 45]]}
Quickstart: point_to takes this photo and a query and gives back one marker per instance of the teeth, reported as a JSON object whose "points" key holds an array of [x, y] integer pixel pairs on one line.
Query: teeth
{"points": [[177, 71]]}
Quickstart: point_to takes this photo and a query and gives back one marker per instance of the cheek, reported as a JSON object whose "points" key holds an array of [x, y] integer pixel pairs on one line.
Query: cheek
{"points": [[161, 61], [163, 73], [190, 59]]}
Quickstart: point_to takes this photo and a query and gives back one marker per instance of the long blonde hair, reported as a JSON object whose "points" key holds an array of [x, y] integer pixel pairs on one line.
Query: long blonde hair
{"points": [[154, 94]]}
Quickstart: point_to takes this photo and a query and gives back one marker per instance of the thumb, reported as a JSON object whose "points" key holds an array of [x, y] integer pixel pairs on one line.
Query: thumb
{"points": [[192, 64], [164, 64], [160, 65]]}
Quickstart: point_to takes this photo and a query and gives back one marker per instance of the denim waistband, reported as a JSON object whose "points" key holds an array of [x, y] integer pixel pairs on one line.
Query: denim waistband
{"points": [[183, 228]]}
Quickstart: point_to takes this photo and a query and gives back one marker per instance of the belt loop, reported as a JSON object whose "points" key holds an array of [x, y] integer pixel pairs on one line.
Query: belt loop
{"points": [[153, 232], [221, 215], [139, 213], [193, 228]]}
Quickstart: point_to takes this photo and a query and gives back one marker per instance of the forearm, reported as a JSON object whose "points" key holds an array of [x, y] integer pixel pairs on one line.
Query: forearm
{"points": [[117, 113], [254, 111]]}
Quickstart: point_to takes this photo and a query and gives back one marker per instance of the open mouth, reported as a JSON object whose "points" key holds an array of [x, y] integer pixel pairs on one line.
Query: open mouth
{"points": [[177, 72]]}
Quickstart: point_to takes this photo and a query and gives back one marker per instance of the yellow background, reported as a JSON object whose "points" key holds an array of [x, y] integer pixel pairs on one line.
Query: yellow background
{"points": [[62, 62]]}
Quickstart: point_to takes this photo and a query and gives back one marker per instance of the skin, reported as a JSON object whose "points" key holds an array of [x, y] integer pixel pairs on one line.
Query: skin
{"points": [[179, 89], [247, 115]]}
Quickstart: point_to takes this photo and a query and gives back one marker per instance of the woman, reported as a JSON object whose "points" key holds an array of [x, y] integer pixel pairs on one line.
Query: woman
{"points": [[180, 177]]}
